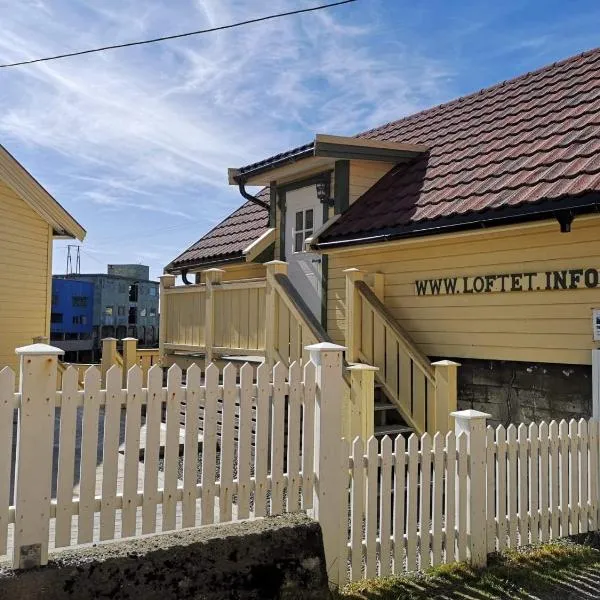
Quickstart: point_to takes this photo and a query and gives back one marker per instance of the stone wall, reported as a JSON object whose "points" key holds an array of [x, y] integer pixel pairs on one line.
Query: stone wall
{"points": [[280, 557], [515, 392]]}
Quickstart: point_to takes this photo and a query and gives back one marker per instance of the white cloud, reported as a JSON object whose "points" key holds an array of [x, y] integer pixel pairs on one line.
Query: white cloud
{"points": [[151, 130]]}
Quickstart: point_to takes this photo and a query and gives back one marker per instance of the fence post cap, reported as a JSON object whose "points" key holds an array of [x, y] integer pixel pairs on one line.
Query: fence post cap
{"points": [[109, 339], [325, 347], [470, 414], [445, 363], [361, 367], [128, 339], [39, 349]]}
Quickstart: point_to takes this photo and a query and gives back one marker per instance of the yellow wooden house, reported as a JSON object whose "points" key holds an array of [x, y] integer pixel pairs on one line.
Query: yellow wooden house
{"points": [[31, 220], [466, 234]]}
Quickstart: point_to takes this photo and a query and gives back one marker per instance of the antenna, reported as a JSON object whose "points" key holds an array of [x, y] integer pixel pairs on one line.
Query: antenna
{"points": [[70, 270]]}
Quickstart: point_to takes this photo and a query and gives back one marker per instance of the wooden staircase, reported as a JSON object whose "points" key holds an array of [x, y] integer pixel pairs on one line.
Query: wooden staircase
{"points": [[387, 420]]}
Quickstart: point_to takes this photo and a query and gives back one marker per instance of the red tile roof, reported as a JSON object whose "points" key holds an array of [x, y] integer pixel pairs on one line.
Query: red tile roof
{"points": [[227, 240], [524, 141]]}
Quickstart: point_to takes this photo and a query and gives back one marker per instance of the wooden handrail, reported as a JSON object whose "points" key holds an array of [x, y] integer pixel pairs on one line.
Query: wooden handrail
{"points": [[403, 338]]}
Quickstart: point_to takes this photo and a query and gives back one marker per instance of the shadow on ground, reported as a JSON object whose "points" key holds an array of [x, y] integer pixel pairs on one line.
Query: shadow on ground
{"points": [[558, 571]]}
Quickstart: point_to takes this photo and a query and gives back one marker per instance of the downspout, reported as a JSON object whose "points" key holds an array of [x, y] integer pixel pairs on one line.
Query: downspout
{"points": [[242, 187]]}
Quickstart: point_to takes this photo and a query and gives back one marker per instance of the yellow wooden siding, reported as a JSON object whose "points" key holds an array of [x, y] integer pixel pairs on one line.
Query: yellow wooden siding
{"points": [[540, 326], [244, 271], [364, 174], [25, 275]]}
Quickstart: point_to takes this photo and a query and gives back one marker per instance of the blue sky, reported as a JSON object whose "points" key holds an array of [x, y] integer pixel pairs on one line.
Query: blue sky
{"points": [[136, 143]]}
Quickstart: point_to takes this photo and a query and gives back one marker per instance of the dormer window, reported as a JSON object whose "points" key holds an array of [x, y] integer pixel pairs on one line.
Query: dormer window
{"points": [[303, 228]]}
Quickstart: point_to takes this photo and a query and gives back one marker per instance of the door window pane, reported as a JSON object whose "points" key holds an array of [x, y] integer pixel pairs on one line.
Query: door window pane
{"points": [[299, 221], [298, 242], [309, 219]]}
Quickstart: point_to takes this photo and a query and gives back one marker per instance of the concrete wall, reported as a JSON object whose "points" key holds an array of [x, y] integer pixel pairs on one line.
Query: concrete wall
{"points": [[515, 392], [280, 557]]}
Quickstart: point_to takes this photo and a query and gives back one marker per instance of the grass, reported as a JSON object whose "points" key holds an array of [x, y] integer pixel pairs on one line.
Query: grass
{"points": [[561, 570]]}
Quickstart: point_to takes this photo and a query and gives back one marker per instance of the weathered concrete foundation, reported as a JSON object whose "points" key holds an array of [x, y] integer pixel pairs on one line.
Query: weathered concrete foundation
{"points": [[515, 392], [280, 557]]}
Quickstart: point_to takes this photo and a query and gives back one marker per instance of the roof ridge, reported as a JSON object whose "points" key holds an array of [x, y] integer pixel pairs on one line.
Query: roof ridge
{"points": [[462, 99]]}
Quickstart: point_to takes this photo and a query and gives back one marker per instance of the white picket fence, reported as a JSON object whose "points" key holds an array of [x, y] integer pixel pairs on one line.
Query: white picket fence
{"points": [[434, 500], [270, 443], [259, 461]]}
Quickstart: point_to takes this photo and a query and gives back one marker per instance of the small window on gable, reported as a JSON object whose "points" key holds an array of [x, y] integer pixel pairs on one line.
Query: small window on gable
{"points": [[303, 229]]}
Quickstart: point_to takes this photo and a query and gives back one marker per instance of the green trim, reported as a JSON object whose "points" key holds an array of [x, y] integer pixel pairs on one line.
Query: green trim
{"points": [[342, 186], [330, 150], [312, 180], [272, 203], [324, 272], [282, 211]]}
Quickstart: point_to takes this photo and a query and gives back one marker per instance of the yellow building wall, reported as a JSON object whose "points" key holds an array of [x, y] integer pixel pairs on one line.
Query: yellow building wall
{"points": [[364, 174], [25, 275], [541, 326]]}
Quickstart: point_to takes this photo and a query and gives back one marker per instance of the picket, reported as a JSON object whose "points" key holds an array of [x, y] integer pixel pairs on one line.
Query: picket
{"points": [[582, 435], [244, 456], [209, 444], [534, 517], [593, 474], [425, 502], [563, 429], [358, 509], [371, 509], [7, 389], [133, 421], [261, 445], [573, 478], [399, 503], [411, 503], [451, 473], [227, 443], [554, 480], [438, 490], [511, 477], [523, 514], [190, 445], [491, 489], [308, 432], [501, 488], [293, 440], [277, 439], [385, 506], [544, 449], [462, 453]]}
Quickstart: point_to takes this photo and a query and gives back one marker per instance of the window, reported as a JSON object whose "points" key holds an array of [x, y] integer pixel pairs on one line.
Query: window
{"points": [[152, 311], [108, 311], [54, 299], [142, 312], [133, 292], [132, 316], [152, 290], [80, 301], [79, 320], [121, 311], [303, 228], [56, 318]]}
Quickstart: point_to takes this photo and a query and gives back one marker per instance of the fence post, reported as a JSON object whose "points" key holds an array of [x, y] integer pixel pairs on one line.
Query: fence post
{"points": [[33, 468], [212, 277], [353, 314], [359, 415], [272, 308], [473, 424], [166, 282], [445, 393], [109, 356], [129, 356], [330, 481]]}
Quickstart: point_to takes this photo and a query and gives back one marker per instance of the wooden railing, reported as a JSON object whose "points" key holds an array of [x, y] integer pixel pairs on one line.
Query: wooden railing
{"points": [[213, 318], [424, 392]]}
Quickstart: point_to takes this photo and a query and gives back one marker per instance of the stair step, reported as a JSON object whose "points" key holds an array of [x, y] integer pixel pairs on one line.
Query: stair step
{"points": [[392, 430], [384, 406]]}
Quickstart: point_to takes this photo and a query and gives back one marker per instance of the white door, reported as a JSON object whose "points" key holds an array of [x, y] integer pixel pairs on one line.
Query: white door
{"points": [[304, 214]]}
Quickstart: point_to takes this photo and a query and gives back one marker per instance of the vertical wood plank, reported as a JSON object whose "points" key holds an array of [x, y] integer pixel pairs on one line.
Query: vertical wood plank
{"points": [[244, 456], [523, 471], [411, 503], [425, 501], [110, 454], [501, 486], [563, 430], [358, 509], [171, 452], [283, 331], [244, 316], [512, 490], [154, 402], [385, 507], [574, 477], [391, 360], [594, 474], [583, 476], [261, 444], [399, 496], [277, 438], [193, 383], [544, 449], [293, 441], [554, 473], [366, 337], [343, 548], [405, 393], [491, 489], [253, 318], [89, 455], [371, 511], [66, 453], [209, 444], [7, 389], [133, 423], [534, 517], [419, 396], [379, 348], [461, 481], [227, 443], [308, 432], [450, 507]]}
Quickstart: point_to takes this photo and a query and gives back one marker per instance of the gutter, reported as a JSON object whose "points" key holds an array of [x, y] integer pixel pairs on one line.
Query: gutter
{"points": [[559, 209], [242, 188]]}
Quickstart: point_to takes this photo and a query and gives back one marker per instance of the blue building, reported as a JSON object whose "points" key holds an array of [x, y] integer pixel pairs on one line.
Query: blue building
{"points": [[71, 318]]}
